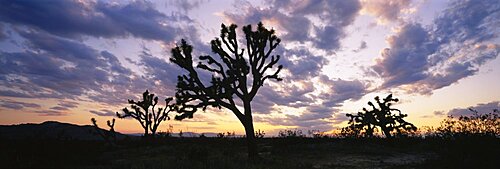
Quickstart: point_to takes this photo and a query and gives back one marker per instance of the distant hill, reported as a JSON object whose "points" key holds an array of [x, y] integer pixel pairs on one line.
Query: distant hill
{"points": [[52, 130]]}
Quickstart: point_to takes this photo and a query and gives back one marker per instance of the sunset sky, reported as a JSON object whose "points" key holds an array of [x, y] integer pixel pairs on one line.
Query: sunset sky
{"points": [[69, 61]]}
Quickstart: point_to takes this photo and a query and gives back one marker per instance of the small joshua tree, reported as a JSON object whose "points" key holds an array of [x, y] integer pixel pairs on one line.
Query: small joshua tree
{"points": [[109, 137], [383, 117], [144, 112], [237, 74]]}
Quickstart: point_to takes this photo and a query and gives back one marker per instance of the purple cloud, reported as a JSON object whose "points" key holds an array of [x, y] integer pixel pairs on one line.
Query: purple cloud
{"points": [[424, 59], [17, 105], [301, 63], [481, 108], [186, 6], [50, 113], [386, 10], [362, 46], [320, 116], [103, 112], [55, 67], [92, 18], [342, 90], [65, 105], [291, 17], [2, 33]]}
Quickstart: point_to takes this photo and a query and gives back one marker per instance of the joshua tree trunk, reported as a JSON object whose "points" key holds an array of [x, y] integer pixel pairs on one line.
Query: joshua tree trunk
{"points": [[250, 133], [146, 132], [387, 132]]}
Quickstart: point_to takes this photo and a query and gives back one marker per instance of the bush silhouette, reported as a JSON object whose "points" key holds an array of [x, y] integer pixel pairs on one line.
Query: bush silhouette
{"points": [[260, 134], [475, 125], [144, 112], [365, 123], [288, 133], [235, 78]]}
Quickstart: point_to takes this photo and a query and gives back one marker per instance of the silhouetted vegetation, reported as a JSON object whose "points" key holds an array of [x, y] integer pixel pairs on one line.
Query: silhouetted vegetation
{"points": [[109, 137], [365, 123], [290, 133], [260, 134], [144, 112], [226, 135], [477, 124], [301, 150], [235, 78]]}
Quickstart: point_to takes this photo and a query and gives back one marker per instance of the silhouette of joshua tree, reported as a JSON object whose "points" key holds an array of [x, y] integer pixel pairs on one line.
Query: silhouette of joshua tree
{"points": [[366, 122], [109, 137], [235, 78], [144, 112]]}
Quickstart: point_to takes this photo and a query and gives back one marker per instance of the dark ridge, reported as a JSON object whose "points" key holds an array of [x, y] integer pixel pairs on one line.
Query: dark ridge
{"points": [[52, 130]]}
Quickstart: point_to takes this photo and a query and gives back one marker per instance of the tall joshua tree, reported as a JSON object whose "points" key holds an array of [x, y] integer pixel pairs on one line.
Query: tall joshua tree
{"points": [[144, 112], [237, 74], [382, 117]]}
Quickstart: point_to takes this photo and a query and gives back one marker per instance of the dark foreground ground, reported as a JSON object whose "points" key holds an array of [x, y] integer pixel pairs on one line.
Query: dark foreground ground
{"points": [[277, 153]]}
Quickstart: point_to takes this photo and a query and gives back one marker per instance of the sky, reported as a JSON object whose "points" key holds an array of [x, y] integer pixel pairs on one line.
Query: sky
{"points": [[69, 61]]}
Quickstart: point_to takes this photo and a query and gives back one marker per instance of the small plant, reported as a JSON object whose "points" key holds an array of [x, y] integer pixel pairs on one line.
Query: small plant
{"points": [[366, 123], [221, 135], [287, 133], [167, 133], [226, 135], [317, 134], [230, 134], [181, 134], [260, 134]]}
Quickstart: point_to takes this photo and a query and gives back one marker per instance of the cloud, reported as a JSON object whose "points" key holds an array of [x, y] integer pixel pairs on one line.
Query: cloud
{"points": [[321, 110], [16, 105], [103, 112], [362, 46], [159, 70], [139, 18], [2, 33], [406, 60], [386, 10], [50, 113], [187, 6], [319, 22], [297, 121], [301, 63], [481, 108], [340, 90], [65, 105], [55, 67], [438, 113], [92, 18], [290, 94], [460, 40]]}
